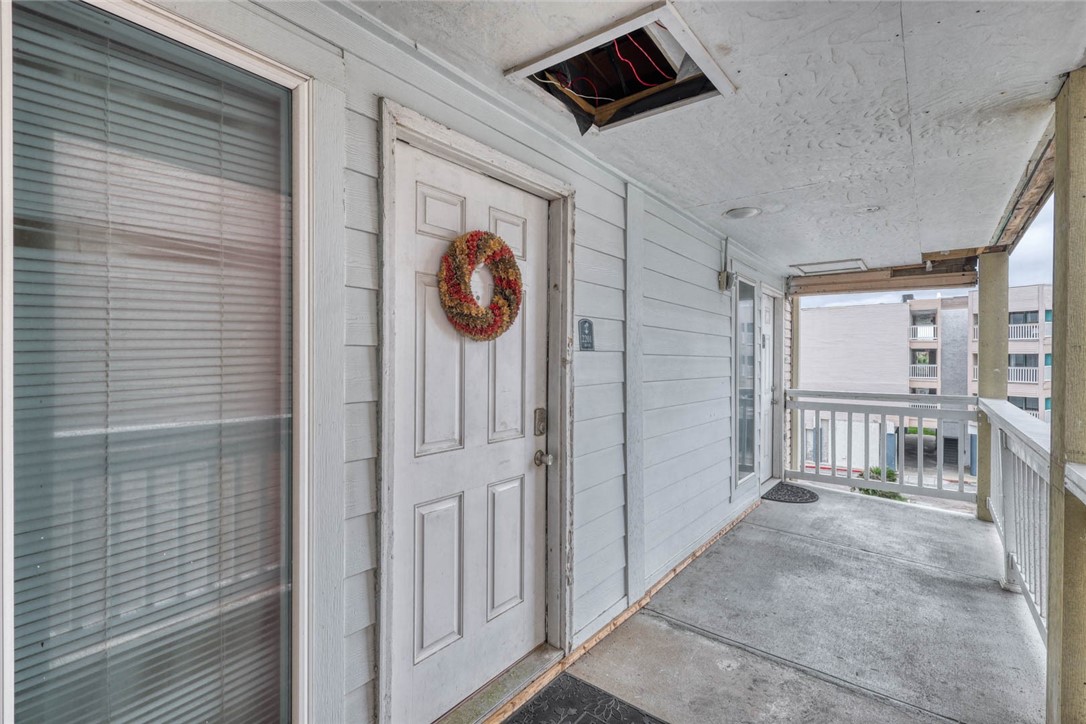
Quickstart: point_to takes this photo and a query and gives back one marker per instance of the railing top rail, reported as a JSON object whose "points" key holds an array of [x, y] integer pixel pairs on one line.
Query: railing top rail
{"points": [[966, 400], [1076, 480], [1033, 432]]}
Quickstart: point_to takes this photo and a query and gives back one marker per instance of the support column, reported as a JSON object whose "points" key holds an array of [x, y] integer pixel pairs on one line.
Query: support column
{"points": [[991, 361], [1066, 700]]}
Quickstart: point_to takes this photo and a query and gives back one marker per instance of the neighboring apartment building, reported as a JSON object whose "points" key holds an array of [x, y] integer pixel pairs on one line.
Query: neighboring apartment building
{"points": [[1029, 360], [938, 331], [915, 345]]}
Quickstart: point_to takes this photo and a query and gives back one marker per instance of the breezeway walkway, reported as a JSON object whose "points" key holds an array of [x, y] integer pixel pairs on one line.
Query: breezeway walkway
{"points": [[850, 609]]}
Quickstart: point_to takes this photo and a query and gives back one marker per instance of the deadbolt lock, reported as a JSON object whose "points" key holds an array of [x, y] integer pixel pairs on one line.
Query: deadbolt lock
{"points": [[540, 421]]}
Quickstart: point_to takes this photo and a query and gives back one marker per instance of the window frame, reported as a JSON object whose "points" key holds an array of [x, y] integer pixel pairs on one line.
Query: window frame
{"points": [[742, 479], [302, 92]]}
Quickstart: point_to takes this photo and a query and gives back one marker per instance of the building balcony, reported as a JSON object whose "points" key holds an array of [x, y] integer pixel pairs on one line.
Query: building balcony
{"points": [[924, 372], [976, 372], [923, 333], [1022, 375], [1016, 332], [902, 604], [1019, 332]]}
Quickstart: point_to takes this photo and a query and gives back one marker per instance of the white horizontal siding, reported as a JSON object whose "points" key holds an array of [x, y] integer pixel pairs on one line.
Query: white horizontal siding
{"points": [[686, 343]]}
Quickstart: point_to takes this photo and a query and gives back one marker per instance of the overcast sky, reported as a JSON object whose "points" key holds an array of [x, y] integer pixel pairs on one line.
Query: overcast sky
{"points": [[1031, 263]]}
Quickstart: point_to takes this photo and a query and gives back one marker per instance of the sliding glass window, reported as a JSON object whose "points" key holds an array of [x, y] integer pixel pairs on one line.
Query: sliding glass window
{"points": [[152, 263]]}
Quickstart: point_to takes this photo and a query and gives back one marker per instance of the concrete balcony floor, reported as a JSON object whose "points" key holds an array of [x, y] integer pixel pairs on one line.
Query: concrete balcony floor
{"points": [[851, 609]]}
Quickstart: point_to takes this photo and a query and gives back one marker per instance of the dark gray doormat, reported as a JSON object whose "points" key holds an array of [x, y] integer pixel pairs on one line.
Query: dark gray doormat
{"points": [[785, 493], [568, 700]]}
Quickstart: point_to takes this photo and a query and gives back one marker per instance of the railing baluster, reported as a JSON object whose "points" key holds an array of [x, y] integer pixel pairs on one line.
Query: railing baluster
{"points": [[833, 443], [882, 447], [1036, 529], [920, 452], [867, 443], [848, 462], [901, 451], [939, 455]]}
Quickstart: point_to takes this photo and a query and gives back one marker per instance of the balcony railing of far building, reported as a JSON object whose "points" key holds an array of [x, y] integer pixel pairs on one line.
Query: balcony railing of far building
{"points": [[924, 372], [1019, 332], [923, 333]]}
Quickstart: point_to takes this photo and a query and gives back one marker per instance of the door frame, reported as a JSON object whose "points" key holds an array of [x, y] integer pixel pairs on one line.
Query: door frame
{"points": [[398, 123], [776, 338]]}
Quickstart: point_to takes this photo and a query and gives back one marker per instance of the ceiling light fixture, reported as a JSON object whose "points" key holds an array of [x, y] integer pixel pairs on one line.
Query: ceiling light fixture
{"points": [[742, 212]]}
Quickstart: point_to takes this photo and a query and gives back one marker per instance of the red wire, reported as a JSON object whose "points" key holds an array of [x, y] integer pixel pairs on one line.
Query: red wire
{"points": [[632, 68], [586, 79], [630, 38]]}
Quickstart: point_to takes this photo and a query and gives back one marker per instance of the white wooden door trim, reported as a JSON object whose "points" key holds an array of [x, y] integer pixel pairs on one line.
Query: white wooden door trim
{"points": [[398, 123], [775, 338], [315, 108], [778, 378]]}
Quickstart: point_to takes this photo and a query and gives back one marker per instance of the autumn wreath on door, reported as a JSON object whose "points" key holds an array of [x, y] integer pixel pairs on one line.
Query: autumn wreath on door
{"points": [[465, 254]]}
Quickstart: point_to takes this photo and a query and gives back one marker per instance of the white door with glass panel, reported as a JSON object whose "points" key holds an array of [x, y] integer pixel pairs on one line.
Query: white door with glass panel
{"points": [[746, 323], [768, 388], [468, 527]]}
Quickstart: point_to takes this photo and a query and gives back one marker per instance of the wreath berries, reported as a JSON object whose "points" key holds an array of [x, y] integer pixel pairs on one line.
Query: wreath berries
{"points": [[465, 253]]}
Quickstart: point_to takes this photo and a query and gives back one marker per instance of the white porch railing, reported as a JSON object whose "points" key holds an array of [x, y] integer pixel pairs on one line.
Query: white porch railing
{"points": [[1025, 375], [924, 372], [976, 331], [895, 443], [924, 332], [1019, 501], [976, 372], [1023, 331]]}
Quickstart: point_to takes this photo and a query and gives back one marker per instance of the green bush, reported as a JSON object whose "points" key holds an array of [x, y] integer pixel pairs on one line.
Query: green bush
{"points": [[927, 431], [875, 473]]}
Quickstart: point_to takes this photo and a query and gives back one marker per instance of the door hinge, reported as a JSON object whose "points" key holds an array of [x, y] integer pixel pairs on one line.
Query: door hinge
{"points": [[540, 421]]}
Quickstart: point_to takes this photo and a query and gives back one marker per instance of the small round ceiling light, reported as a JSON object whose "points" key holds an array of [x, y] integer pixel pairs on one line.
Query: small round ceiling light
{"points": [[743, 212]]}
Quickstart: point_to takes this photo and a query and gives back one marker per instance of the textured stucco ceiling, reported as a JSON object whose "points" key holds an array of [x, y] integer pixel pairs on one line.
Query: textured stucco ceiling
{"points": [[927, 110]]}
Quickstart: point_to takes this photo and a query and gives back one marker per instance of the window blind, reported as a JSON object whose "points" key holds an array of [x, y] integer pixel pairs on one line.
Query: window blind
{"points": [[152, 377]]}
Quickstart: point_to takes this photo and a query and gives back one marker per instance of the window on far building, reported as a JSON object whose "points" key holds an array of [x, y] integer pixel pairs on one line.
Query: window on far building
{"points": [[1029, 404], [1022, 360], [1029, 317]]}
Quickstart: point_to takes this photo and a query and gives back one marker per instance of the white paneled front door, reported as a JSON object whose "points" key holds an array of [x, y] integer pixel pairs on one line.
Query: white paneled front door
{"points": [[468, 551], [768, 388]]}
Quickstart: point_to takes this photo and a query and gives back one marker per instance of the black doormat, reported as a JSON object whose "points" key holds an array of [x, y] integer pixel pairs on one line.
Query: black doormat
{"points": [[785, 493], [568, 700]]}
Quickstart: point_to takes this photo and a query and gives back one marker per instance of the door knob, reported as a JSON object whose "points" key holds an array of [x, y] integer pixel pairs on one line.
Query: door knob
{"points": [[542, 458]]}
